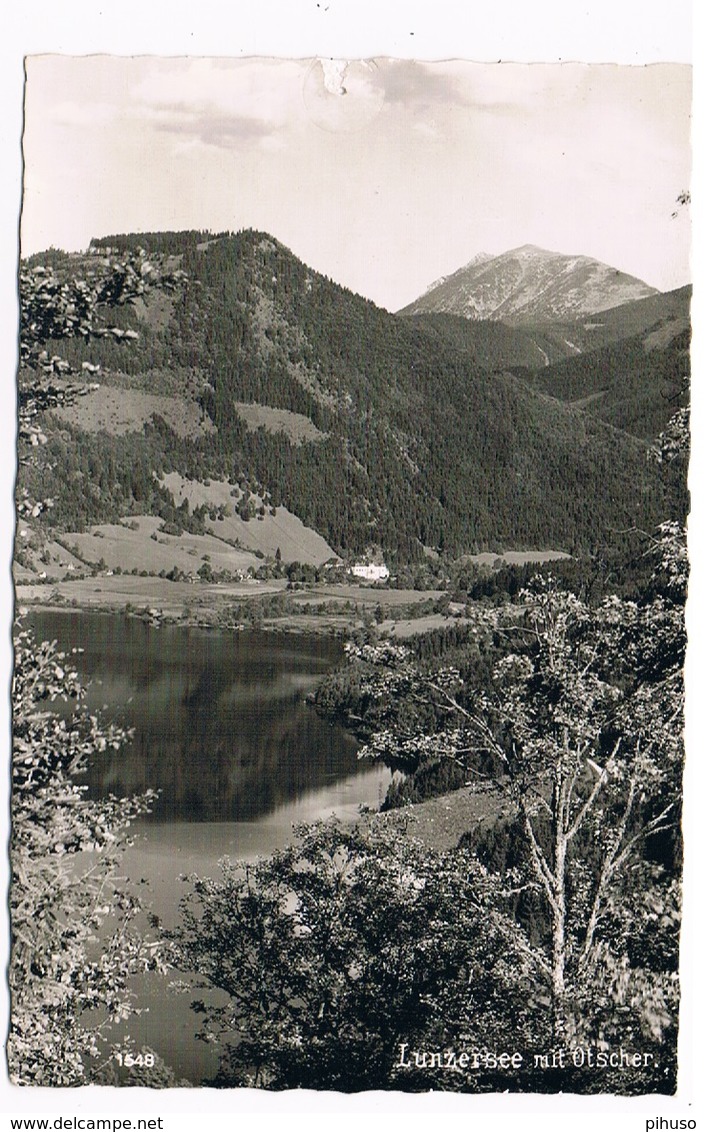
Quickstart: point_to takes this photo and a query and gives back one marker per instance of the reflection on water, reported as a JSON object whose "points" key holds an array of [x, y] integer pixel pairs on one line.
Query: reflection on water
{"points": [[222, 730], [221, 726], [163, 852]]}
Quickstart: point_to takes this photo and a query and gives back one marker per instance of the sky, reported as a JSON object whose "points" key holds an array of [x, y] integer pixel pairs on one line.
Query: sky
{"points": [[384, 174]]}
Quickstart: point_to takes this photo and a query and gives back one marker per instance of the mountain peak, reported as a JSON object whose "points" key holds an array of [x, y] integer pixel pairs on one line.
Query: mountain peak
{"points": [[530, 249], [529, 284]]}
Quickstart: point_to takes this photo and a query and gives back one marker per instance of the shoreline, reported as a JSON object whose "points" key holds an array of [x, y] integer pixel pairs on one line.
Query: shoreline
{"points": [[334, 609]]}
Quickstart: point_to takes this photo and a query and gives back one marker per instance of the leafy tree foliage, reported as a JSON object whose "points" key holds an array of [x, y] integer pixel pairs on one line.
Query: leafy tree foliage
{"points": [[56, 304], [341, 947], [582, 731], [74, 947]]}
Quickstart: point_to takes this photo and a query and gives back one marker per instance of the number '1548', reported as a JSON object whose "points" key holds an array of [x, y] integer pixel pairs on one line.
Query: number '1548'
{"points": [[131, 1059]]}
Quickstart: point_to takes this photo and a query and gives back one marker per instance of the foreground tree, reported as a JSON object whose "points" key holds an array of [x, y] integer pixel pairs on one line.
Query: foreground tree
{"points": [[73, 947], [582, 731], [346, 946]]}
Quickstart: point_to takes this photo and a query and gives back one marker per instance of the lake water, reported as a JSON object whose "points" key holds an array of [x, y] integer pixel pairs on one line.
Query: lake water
{"points": [[222, 730]]}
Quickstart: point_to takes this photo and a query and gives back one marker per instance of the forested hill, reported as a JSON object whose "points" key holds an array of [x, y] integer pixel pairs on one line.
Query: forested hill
{"points": [[636, 383], [371, 428]]}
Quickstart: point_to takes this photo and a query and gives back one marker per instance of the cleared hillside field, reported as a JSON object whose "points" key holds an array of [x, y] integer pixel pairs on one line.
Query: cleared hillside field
{"points": [[143, 546], [516, 557], [295, 426], [116, 411], [266, 533]]}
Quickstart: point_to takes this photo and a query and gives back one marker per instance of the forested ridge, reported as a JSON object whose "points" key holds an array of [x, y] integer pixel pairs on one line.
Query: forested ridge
{"points": [[420, 445], [629, 384]]}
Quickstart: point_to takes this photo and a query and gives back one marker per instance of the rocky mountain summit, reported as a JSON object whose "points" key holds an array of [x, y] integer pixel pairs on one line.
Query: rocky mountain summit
{"points": [[530, 285]]}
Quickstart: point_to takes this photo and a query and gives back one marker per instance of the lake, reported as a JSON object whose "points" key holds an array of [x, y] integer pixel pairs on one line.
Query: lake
{"points": [[222, 729]]}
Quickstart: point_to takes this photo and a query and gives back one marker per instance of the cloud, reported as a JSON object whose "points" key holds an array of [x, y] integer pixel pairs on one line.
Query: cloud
{"points": [[410, 83], [219, 102], [502, 88], [211, 128]]}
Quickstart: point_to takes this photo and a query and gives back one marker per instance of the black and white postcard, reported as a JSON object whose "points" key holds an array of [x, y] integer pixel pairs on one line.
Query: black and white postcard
{"points": [[350, 577]]}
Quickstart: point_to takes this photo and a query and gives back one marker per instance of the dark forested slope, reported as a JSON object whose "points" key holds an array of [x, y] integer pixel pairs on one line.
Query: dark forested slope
{"points": [[405, 440], [636, 383]]}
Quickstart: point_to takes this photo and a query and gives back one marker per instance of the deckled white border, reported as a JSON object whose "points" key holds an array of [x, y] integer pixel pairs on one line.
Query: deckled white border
{"points": [[623, 31]]}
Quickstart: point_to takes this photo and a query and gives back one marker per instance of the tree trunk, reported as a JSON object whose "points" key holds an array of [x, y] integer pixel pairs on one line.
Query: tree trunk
{"points": [[559, 916]]}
